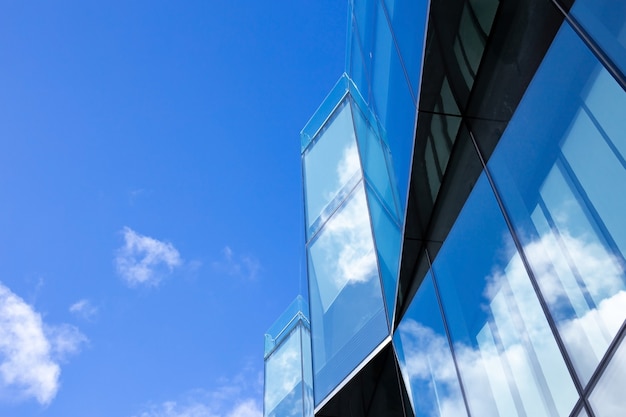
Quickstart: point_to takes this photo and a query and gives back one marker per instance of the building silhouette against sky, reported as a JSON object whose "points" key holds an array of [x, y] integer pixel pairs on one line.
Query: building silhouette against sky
{"points": [[465, 198]]}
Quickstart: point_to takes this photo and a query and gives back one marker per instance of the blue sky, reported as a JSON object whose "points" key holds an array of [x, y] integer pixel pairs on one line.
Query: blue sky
{"points": [[151, 224]]}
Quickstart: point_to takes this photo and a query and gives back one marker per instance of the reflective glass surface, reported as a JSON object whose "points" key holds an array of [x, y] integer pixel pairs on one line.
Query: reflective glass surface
{"points": [[426, 363], [307, 373], [347, 316], [283, 378], [607, 398], [393, 102], [331, 167], [387, 237], [560, 170], [605, 21], [375, 160], [408, 23], [509, 362]]}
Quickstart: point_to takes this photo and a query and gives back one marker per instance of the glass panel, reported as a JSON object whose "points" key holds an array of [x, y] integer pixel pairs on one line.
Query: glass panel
{"points": [[605, 20], [393, 102], [407, 17], [347, 316], [283, 378], [331, 167], [387, 237], [362, 33], [509, 362], [374, 157], [607, 398], [427, 364], [356, 62], [560, 168]]}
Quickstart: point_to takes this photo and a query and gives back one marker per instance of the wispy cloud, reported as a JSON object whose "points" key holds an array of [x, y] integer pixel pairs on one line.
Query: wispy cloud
{"points": [[144, 260], [31, 350], [236, 397], [235, 265], [84, 309]]}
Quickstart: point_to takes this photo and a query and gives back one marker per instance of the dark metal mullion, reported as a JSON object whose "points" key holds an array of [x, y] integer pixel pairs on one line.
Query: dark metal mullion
{"points": [[447, 330], [595, 48], [530, 273], [606, 359]]}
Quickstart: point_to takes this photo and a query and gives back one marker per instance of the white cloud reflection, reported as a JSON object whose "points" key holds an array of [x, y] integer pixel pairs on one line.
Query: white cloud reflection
{"points": [[515, 361], [344, 252], [283, 373]]}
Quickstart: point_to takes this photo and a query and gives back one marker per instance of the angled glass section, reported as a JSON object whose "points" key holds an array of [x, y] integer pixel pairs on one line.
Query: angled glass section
{"points": [[508, 359], [288, 390], [353, 237], [607, 398], [560, 168], [347, 309], [426, 358], [331, 168]]}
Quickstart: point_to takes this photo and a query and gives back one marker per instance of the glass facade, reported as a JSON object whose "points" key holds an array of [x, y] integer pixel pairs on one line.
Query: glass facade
{"points": [[351, 207], [288, 380], [464, 190]]}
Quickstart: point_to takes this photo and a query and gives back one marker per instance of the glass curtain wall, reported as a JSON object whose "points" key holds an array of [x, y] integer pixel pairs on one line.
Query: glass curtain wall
{"points": [[523, 310]]}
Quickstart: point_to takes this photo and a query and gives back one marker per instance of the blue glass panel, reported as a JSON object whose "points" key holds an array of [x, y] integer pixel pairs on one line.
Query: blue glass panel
{"points": [[561, 172], [356, 62], [387, 238], [364, 14], [605, 21], [331, 168], [374, 159], [347, 315], [509, 362], [408, 21], [607, 398], [283, 378], [393, 103], [427, 364]]}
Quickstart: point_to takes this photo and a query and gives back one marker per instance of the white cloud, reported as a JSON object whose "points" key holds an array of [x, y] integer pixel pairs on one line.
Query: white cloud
{"points": [[239, 266], [83, 308], [30, 350], [236, 397], [344, 251], [514, 352], [144, 260]]}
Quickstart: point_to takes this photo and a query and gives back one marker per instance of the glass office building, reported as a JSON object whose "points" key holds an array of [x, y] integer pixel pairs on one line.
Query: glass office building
{"points": [[465, 198]]}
